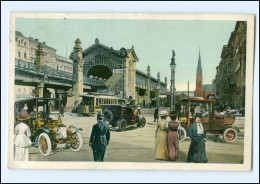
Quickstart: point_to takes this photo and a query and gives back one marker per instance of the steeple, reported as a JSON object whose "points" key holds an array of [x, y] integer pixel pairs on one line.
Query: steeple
{"points": [[199, 79], [199, 68]]}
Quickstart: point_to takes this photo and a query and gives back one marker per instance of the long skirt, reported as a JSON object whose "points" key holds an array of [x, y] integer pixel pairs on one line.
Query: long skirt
{"points": [[197, 152], [21, 154], [161, 150], [173, 145]]}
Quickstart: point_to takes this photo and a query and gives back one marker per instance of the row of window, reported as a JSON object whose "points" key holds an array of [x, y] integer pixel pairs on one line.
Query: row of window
{"points": [[100, 101], [20, 41], [24, 54]]}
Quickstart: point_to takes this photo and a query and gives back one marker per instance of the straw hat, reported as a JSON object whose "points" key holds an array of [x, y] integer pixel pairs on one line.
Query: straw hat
{"points": [[163, 113]]}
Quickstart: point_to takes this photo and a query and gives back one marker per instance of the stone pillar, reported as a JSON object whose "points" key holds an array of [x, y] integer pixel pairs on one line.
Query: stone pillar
{"points": [[39, 61], [39, 90], [78, 72], [148, 86]]}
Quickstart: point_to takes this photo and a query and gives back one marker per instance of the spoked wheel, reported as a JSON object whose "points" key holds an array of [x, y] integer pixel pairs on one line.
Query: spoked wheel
{"points": [[77, 145], [123, 125], [230, 135], [182, 134], [142, 123], [44, 143]]}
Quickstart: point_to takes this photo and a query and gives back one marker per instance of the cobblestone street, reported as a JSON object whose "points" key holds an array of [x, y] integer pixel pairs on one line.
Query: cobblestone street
{"points": [[137, 144]]}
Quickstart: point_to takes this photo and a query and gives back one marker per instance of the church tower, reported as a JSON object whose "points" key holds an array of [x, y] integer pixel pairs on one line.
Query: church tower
{"points": [[199, 87]]}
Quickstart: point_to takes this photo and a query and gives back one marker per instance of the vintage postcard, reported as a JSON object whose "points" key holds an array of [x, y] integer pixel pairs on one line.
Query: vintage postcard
{"points": [[131, 91]]}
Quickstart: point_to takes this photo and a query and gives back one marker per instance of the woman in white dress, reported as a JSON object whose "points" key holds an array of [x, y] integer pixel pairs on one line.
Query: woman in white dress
{"points": [[22, 138]]}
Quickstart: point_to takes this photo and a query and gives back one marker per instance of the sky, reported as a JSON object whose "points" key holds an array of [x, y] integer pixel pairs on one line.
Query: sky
{"points": [[153, 42]]}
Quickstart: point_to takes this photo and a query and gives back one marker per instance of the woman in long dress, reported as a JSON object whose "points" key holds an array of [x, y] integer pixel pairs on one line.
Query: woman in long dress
{"points": [[172, 137], [22, 138], [197, 150], [161, 150]]}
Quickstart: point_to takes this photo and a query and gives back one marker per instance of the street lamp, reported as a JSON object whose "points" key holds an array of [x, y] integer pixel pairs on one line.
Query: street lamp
{"points": [[173, 66], [158, 89]]}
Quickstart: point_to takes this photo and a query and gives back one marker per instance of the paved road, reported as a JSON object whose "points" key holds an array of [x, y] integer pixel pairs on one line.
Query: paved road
{"points": [[137, 144]]}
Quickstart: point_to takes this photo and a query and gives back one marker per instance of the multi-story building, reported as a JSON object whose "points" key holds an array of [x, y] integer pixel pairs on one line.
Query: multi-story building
{"points": [[229, 81], [25, 50]]}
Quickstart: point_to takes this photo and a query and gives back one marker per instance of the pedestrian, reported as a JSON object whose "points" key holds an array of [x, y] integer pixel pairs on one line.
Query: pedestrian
{"points": [[202, 111], [139, 109], [192, 110], [197, 150], [22, 137], [172, 136], [99, 138], [33, 117], [227, 110], [62, 109], [161, 150], [156, 114]]}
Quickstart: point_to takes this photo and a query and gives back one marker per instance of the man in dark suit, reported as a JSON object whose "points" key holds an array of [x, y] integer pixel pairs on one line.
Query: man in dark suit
{"points": [[99, 138], [156, 114]]}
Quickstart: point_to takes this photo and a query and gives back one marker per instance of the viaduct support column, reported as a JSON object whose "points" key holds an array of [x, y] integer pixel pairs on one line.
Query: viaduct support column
{"points": [[148, 86], [78, 72]]}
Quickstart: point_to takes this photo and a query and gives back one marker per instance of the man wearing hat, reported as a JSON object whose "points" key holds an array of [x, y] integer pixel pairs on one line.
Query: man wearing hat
{"points": [[33, 115], [22, 137], [227, 110], [197, 150], [99, 138]]}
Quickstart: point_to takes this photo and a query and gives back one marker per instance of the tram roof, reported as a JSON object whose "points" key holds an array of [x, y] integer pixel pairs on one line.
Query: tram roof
{"points": [[33, 98], [196, 100]]}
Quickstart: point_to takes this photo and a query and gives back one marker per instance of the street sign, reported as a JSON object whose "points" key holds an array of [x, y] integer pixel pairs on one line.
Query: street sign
{"points": [[120, 71]]}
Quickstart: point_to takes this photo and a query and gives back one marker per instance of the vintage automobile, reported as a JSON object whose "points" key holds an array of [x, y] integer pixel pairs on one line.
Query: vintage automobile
{"points": [[214, 124], [50, 134], [122, 116]]}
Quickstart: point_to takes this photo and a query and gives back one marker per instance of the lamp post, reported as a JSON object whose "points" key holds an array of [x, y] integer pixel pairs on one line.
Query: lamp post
{"points": [[158, 89], [173, 66]]}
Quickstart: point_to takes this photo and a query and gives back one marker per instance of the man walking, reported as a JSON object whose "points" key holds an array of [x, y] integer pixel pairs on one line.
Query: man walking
{"points": [[156, 115], [99, 138]]}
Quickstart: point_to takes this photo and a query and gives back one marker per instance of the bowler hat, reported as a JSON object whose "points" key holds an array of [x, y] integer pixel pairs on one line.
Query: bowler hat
{"points": [[227, 107], [23, 116], [199, 115]]}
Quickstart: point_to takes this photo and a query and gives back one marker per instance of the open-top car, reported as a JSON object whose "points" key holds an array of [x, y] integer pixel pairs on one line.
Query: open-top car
{"points": [[213, 123], [47, 130], [122, 116]]}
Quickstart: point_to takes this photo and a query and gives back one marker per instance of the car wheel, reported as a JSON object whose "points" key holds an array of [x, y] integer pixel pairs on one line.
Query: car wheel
{"points": [[230, 135], [79, 142], [182, 134], [108, 115], [44, 143], [122, 125]]}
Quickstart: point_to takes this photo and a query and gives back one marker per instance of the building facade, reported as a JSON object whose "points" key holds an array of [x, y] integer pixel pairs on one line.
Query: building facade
{"points": [[229, 82], [25, 50]]}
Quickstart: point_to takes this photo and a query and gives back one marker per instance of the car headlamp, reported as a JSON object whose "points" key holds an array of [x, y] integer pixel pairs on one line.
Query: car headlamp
{"points": [[73, 130]]}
